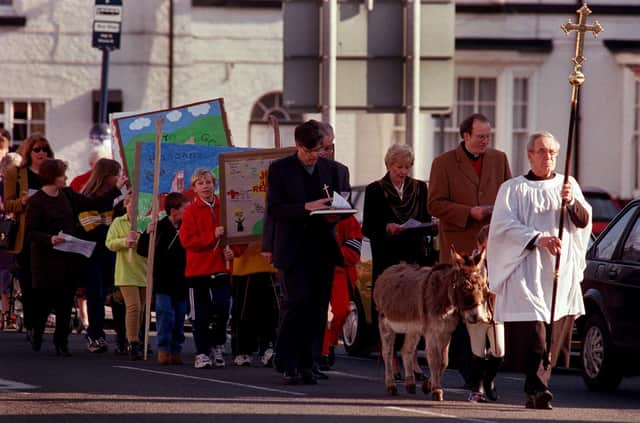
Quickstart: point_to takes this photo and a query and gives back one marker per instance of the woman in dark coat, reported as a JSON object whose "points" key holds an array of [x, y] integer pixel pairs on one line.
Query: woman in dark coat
{"points": [[51, 212], [388, 204]]}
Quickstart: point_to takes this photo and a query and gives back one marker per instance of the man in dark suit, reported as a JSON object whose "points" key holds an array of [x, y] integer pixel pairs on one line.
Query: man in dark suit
{"points": [[304, 246]]}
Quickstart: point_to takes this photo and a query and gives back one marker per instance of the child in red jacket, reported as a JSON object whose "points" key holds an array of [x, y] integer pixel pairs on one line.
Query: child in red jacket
{"points": [[209, 262]]}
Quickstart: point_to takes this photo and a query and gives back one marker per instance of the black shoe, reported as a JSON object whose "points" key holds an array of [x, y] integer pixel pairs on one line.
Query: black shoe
{"points": [[291, 378], [420, 377], [135, 353], [317, 374], [121, 349], [36, 342], [540, 400], [323, 364], [309, 377], [331, 358], [63, 350]]}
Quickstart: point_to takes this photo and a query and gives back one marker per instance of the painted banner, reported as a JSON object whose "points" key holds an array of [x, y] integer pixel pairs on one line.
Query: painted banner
{"points": [[243, 190], [177, 163], [202, 123]]}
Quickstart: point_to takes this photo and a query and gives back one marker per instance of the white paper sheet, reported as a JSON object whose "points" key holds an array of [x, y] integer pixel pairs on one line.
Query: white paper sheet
{"points": [[72, 244]]}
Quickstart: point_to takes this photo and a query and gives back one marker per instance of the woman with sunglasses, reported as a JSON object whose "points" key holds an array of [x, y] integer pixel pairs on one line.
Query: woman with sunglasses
{"points": [[19, 184]]}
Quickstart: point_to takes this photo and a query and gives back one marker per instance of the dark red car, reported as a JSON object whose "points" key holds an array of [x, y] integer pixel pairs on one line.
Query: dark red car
{"points": [[604, 208]]}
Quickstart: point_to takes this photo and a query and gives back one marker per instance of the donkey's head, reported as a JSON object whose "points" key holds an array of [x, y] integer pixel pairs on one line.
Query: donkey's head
{"points": [[469, 289]]}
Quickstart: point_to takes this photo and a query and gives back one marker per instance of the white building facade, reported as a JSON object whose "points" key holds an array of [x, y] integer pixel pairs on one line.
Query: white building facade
{"points": [[512, 62]]}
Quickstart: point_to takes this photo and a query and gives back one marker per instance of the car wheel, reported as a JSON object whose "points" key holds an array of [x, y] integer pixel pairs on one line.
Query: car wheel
{"points": [[354, 328], [600, 368]]}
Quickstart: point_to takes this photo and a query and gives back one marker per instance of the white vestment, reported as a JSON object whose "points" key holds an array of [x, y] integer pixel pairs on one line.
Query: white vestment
{"points": [[521, 278]]}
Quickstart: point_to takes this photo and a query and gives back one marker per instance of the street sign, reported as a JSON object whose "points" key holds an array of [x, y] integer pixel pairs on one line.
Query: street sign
{"points": [[107, 24]]}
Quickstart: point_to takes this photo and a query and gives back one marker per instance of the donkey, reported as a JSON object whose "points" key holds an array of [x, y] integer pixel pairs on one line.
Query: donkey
{"points": [[429, 302]]}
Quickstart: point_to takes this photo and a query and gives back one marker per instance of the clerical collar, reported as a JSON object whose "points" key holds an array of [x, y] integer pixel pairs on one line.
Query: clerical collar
{"points": [[533, 177], [469, 154]]}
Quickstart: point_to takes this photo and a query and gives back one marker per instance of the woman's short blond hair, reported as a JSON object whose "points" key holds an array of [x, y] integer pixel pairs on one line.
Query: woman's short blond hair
{"points": [[399, 153], [200, 173]]}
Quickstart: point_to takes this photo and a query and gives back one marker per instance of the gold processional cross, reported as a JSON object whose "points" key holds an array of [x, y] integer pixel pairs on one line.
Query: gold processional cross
{"points": [[576, 78]]}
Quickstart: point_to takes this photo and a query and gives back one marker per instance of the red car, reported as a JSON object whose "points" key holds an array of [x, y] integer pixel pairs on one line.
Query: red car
{"points": [[604, 208]]}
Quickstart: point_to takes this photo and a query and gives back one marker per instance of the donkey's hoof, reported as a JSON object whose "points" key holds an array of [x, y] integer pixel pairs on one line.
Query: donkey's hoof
{"points": [[411, 389], [392, 390], [426, 386], [437, 395]]}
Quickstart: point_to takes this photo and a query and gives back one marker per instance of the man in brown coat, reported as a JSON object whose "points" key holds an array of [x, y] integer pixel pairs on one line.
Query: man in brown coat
{"points": [[463, 186]]}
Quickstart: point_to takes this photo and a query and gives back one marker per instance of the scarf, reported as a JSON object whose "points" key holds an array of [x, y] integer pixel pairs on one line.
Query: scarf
{"points": [[407, 207]]}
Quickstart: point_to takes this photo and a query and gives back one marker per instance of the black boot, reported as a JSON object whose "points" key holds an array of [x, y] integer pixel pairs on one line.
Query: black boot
{"points": [[62, 349], [477, 374], [135, 353], [492, 365]]}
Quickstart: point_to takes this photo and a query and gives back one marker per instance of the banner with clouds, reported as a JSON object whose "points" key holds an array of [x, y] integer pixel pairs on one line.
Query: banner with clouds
{"points": [[202, 123]]}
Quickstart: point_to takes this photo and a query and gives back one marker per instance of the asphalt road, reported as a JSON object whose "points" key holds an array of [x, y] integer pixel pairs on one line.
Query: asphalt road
{"points": [[40, 387]]}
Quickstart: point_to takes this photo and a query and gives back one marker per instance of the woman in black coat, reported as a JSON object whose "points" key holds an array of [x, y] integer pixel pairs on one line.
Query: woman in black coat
{"points": [[51, 212]]}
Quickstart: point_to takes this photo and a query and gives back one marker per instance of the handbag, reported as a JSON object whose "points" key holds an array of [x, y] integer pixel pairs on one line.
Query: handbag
{"points": [[8, 230]]}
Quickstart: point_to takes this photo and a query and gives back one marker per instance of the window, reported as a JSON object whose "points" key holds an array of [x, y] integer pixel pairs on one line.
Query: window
{"points": [[520, 128], [636, 138], [260, 132], [22, 117], [631, 250], [607, 244], [473, 95]]}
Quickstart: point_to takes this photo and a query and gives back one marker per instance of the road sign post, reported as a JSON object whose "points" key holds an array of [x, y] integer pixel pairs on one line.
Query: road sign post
{"points": [[107, 26]]}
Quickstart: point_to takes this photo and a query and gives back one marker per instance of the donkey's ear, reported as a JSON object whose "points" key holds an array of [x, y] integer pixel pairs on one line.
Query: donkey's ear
{"points": [[456, 258], [479, 257]]}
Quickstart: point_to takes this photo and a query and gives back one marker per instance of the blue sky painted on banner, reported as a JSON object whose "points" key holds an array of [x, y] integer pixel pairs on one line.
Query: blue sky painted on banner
{"points": [[173, 119]]}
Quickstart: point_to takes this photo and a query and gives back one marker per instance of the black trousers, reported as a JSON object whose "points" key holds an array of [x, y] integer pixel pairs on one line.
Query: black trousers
{"points": [[254, 313], [530, 347], [59, 300], [302, 307]]}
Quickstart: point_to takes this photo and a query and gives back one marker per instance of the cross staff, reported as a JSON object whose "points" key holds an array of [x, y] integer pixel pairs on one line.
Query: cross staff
{"points": [[576, 79]]}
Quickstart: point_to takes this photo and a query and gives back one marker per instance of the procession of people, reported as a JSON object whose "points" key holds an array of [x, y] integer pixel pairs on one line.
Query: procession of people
{"points": [[275, 293]]}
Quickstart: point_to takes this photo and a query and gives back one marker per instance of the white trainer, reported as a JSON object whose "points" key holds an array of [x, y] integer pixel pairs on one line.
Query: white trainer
{"points": [[267, 357], [202, 362], [216, 355], [242, 360]]}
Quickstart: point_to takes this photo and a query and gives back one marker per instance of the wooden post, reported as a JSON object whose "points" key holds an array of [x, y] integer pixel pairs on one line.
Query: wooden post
{"points": [[276, 131], [135, 194], [155, 205]]}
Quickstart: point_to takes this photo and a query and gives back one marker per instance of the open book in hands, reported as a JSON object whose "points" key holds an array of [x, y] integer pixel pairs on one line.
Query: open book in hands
{"points": [[339, 205]]}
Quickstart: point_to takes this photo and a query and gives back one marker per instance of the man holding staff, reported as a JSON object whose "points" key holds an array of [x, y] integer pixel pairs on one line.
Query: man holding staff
{"points": [[521, 256]]}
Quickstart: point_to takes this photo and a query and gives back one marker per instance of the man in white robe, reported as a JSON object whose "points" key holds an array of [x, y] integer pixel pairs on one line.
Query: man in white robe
{"points": [[521, 254]]}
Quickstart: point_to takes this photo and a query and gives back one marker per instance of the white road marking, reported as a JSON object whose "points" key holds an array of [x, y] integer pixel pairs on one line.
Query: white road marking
{"points": [[222, 382], [519, 379], [431, 413], [6, 385], [351, 375]]}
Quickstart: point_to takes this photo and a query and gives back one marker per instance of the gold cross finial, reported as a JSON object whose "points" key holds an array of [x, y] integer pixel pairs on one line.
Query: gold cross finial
{"points": [[325, 187], [580, 28]]}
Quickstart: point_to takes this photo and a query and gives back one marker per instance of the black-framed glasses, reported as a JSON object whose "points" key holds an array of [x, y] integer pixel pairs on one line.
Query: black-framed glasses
{"points": [[39, 149], [317, 150]]}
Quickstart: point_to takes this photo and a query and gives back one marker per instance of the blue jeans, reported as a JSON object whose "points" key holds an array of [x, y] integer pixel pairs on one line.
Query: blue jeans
{"points": [[170, 323]]}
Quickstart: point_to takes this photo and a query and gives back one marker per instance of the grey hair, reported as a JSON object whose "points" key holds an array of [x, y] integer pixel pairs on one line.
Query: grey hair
{"points": [[541, 134], [326, 129], [399, 153], [97, 152]]}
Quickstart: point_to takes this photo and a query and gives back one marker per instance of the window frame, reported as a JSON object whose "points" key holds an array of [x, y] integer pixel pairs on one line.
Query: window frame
{"points": [[9, 121]]}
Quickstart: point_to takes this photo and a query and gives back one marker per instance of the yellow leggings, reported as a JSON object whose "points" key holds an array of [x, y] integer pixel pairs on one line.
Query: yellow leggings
{"points": [[134, 299]]}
